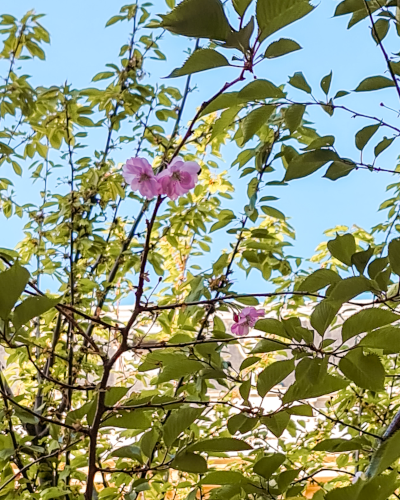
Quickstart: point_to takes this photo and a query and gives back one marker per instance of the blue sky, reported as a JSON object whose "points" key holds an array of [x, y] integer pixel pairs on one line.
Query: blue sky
{"points": [[81, 46]]}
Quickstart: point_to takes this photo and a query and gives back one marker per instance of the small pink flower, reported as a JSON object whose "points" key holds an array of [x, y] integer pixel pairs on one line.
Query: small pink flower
{"points": [[138, 173], [245, 320], [178, 178]]}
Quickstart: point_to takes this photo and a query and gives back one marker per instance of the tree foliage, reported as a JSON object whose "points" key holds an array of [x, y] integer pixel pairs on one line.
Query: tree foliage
{"points": [[94, 407]]}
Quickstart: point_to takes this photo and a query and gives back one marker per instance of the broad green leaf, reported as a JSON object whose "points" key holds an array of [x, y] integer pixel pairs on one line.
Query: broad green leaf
{"points": [[267, 345], [103, 76], [338, 445], [241, 6], [319, 279], [286, 477], [114, 20], [323, 315], [266, 466], [326, 83], [361, 259], [12, 284], [223, 101], [367, 320], [374, 83], [179, 368], [387, 339], [277, 422], [387, 453], [339, 169], [294, 116], [308, 163], [271, 325], [137, 419], [260, 89], [273, 15], [273, 212], [190, 462], [320, 142], [349, 288], [394, 256], [224, 477], [224, 122], [178, 421], [365, 371], [254, 121], [342, 248], [301, 410], [273, 375], [199, 19], [303, 390], [220, 445], [241, 39], [382, 145], [201, 60], [365, 134], [31, 308], [129, 451], [298, 81], [281, 47], [148, 442]]}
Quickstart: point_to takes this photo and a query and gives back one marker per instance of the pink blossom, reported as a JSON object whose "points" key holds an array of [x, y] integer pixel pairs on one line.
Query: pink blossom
{"points": [[178, 178], [138, 173], [245, 320]]}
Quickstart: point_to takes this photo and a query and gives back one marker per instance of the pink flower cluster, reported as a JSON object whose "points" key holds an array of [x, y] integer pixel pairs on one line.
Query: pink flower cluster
{"points": [[245, 320], [176, 180]]}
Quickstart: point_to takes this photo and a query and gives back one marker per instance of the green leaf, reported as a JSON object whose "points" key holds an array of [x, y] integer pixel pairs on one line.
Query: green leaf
{"points": [[323, 315], [387, 339], [281, 47], [12, 284], [326, 83], [273, 374], [319, 279], [374, 83], [241, 6], [361, 259], [103, 76], [137, 419], [31, 308], [273, 15], [241, 39], [383, 144], [320, 142], [301, 410], [308, 163], [271, 325], [267, 345], [276, 423], [129, 451], [199, 19], [298, 81], [220, 445], [364, 135], [200, 60], [338, 445], [260, 89], [394, 256], [342, 248], [254, 121], [386, 454], [266, 466], [365, 371], [367, 320], [224, 477], [179, 368], [223, 101], [178, 421], [273, 212], [339, 169], [294, 116], [190, 462], [312, 381], [114, 20], [349, 288]]}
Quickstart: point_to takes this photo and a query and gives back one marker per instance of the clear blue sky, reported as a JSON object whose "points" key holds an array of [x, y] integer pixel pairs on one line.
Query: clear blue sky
{"points": [[81, 46]]}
